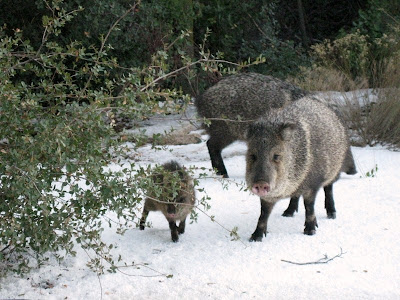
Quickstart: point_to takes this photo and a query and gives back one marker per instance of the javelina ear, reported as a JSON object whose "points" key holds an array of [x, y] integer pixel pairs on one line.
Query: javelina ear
{"points": [[285, 130]]}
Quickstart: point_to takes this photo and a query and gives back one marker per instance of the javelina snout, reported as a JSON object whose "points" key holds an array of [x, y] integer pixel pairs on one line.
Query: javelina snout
{"points": [[260, 188], [177, 197], [177, 207]]}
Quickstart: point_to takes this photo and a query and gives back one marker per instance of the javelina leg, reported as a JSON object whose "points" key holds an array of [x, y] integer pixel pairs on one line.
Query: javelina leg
{"points": [[174, 231], [329, 202], [215, 147], [293, 206], [266, 208], [349, 167], [181, 227], [143, 219], [311, 219]]}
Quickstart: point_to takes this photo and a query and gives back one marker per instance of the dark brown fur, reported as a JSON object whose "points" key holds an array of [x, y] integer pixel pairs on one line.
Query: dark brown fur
{"points": [[171, 178]]}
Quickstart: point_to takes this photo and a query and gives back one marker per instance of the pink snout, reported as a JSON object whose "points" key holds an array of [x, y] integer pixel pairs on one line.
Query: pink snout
{"points": [[260, 188], [171, 216]]}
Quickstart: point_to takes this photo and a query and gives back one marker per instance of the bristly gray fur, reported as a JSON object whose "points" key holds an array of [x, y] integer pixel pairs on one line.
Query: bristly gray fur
{"points": [[293, 152]]}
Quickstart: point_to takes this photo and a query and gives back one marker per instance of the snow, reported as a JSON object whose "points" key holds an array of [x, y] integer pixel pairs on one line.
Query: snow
{"points": [[361, 97], [207, 264]]}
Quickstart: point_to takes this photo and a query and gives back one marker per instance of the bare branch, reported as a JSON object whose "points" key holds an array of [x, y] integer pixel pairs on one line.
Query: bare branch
{"points": [[323, 260], [187, 67]]}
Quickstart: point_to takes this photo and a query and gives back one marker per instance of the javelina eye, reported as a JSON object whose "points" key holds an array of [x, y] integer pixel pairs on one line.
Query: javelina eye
{"points": [[253, 157], [276, 157]]}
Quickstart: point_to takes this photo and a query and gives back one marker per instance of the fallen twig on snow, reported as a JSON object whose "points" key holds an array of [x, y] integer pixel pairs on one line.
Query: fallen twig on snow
{"points": [[323, 260]]}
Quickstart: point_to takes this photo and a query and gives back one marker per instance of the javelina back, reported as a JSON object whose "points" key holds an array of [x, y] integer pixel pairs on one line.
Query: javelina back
{"points": [[177, 197], [295, 151]]}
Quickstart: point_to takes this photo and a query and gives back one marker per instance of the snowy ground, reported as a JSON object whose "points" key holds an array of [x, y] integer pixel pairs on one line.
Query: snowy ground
{"points": [[207, 264]]}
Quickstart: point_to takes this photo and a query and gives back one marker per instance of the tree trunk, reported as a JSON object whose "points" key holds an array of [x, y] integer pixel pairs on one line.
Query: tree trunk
{"points": [[304, 36]]}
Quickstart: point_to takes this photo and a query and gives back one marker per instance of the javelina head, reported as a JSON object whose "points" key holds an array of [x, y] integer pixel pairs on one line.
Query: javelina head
{"points": [[268, 157], [179, 206], [175, 190]]}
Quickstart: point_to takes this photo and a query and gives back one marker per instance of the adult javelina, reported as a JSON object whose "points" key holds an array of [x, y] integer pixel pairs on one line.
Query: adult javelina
{"points": [[177, 197], [294, 151], [246, 97]]}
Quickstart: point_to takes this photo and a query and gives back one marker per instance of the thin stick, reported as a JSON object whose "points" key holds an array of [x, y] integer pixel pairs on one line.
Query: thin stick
{"points": [[323, 260]]}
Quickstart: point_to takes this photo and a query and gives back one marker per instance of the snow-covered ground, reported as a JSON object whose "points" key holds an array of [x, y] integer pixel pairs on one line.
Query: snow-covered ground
{"points": [[360, 247]]}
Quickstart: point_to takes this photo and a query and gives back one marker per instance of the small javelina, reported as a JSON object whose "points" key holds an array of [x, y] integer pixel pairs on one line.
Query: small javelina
{"points": [[295, 151], [176, 200], [239, 100]]}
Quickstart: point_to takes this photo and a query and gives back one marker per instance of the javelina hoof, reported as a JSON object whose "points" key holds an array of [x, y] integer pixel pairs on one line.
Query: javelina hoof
{"points": [[181, 230], [310, 228], [331, 215], [257, 236], [223, 174], [288, 213], [175, 237], [310, 231], [141, 227]]}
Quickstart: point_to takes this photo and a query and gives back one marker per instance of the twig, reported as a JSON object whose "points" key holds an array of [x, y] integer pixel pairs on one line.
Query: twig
{"points": [[187, 66], [118, 268], [323, 260], [101, 287], [219, 224]]}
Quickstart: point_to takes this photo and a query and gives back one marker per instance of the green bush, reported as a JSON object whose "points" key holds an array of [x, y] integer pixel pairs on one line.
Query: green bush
{"points": [[359, 61], [364, 52], [55, 145], [58, 107]]}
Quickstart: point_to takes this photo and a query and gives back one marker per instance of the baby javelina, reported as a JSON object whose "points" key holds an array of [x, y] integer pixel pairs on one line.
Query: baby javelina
{"points": [[173, 194]]}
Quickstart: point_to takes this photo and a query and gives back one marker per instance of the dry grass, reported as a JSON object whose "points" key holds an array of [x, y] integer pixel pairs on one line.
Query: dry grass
{"points": [[327, 79], [182, 136]]}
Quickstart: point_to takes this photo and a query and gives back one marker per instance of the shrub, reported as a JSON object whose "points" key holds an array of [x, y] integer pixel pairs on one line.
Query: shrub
{"points": [[243, 29], [55, 145], [349, 55], [354, 62], [372, 121], [59, 103]]}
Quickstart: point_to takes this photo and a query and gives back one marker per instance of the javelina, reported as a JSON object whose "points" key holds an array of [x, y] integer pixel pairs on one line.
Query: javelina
{"points": [[177, 197], [295, 151], [237, 101]]}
